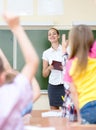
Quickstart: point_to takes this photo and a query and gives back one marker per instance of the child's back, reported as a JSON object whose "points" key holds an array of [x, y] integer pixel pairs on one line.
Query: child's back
{"points": [[16, 95]]}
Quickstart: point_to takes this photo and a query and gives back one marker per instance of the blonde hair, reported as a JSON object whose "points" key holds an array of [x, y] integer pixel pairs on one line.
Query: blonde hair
{"points": [[81, 40]]}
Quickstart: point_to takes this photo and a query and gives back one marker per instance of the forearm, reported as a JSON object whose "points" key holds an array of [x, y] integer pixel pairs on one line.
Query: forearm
{"points": [[74, 97], [25, 45], [46, 72], [28, 51], [36, 89], [64, 44], [75, 100]]}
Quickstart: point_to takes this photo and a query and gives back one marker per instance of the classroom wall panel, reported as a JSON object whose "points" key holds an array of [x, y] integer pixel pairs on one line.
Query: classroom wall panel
{"points": [[6, 44], [40, 42], [71, 10]]}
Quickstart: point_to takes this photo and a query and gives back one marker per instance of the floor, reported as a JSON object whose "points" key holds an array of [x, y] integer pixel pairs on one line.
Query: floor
{"points": [[42, 103]]}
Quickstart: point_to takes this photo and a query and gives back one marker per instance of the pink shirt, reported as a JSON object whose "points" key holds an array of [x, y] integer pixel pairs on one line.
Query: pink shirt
{"points": [[13, 99], [92, 54]]}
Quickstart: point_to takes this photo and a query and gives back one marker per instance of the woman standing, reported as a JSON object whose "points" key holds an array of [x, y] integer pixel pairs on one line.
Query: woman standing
{"points": [[52, 67]]}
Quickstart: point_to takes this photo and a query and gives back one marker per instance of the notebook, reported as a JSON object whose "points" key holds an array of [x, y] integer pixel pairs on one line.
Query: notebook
{"points": [[57, 65]]}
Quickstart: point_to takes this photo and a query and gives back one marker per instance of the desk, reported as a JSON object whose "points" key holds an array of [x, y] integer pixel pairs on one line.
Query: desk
{"points": [[57, 122]]}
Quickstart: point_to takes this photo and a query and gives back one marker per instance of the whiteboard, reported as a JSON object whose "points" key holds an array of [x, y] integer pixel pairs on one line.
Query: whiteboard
{"points": [[50, 7], [20, 7]]}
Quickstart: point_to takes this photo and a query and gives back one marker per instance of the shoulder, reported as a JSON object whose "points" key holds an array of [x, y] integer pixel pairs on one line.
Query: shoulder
{"points": [[69, 63], [19, 84], [47, 50], [20, 78], [67, 76], [47, 53]]}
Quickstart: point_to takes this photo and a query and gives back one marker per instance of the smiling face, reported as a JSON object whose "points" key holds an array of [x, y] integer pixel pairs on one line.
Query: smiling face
{"points": [[53, 35]]}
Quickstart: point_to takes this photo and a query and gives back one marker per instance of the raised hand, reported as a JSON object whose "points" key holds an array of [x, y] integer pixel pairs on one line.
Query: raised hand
{"points": [[64, 43], [11, 19]]}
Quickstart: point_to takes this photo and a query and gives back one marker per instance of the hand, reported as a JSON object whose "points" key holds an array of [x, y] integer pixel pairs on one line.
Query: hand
{"points": [[50, 67], [63, 38], [11, 19], [64, 43], [26, 119]]}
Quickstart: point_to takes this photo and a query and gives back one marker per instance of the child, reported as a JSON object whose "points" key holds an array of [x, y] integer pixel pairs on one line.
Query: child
{"points": [[68, 109], [15, 96], [11, 74], [81, 72]]}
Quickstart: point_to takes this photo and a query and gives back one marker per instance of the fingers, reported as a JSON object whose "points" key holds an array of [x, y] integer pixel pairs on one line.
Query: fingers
{"points": [[63, 38], [11, 19], [63, 43]]}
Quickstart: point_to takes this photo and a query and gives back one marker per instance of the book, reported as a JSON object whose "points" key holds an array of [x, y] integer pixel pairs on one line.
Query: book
{"points": [[52, 114], [57, 65]]}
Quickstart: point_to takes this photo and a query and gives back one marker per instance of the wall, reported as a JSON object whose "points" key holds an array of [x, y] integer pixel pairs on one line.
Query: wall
{"points": [[74, 10]]}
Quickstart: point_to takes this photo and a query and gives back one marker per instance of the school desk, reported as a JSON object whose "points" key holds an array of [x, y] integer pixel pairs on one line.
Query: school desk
{"points": [[58, 123]]}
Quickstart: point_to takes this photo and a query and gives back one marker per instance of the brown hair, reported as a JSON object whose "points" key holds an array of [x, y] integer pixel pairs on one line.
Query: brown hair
{"points": [[55, 30], [81, 40], [11, 75], [1, 65]]}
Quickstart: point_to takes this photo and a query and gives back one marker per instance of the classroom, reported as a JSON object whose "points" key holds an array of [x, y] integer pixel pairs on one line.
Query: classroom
{"points": [[37, 17]]}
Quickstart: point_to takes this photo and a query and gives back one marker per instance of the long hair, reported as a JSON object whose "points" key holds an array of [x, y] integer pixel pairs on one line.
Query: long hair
{"points": [[81, 40]]}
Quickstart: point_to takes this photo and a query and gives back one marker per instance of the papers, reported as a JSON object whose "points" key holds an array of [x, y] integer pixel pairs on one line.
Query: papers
{"points": [[57, 65], [38, 128], [20, 7], [50, 7], [52, 114]]}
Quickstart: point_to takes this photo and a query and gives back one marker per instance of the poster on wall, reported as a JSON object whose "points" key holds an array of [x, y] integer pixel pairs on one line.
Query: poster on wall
{"points": [[20, 7], [50, 7]]}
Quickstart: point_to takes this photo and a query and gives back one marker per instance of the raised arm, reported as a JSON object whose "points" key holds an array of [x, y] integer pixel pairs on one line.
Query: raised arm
{"points": [[36, 89], [28, 51], [64, 44]]}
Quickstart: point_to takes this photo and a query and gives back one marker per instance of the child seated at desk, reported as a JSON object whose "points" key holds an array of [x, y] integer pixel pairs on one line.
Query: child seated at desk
{"points": [[11, 74], [13, 96]]}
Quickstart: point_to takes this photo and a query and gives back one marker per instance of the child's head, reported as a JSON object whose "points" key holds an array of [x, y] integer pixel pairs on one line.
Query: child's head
{"points": [[10, 75], [80, 41], [6, 76]]}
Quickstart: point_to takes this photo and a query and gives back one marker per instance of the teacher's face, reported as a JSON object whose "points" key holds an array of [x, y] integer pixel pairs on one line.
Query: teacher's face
{"points": [[53, 37]]}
